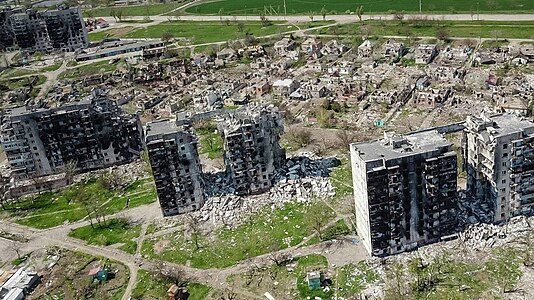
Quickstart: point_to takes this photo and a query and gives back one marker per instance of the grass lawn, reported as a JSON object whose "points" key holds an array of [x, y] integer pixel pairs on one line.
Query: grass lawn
{"points": [[474, 29], [262, 233], [208, 32], [137, 10], [341, 178], [152, 286], [54, 208], [242, 7], [111, 232], [50, 68], [13, 84], [89, 69], [351, 279]]}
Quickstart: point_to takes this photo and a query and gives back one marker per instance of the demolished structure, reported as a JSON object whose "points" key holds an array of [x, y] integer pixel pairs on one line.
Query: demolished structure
{"points": [[90, 134], [51, 30], [499, 160], [252, 149], [173, 153], [404, 191]]}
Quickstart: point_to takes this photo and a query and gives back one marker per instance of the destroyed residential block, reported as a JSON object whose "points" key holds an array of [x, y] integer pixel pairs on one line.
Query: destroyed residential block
{"points": [[404, 191], [252, 149], [499, 160], [93, 133], [173, 153]]}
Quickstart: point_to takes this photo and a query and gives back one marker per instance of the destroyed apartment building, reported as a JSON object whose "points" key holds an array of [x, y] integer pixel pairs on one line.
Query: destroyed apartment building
{"points": [[173, 153], [50, 30], [499, 160], [404, 191], [252, 150], [252, 153], [93, 133]]}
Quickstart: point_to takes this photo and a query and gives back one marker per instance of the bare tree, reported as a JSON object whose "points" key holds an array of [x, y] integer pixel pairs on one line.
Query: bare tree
{"points": [[112, 180], [16, 247], [278, 257], [170, 273], [70, 170], [316, 215], [228, 294], [167, 37], [323, 13], [359, 12], [194, 226]]}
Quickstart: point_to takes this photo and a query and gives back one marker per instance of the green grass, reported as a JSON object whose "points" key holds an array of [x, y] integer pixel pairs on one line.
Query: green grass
{"points": [[207, 32], [262, 233], [54, 208], [212, 144], [242, 7], [151, 286], [473, 29], [342, 179], [338, 229], [111, 232], [307, 264], [89, 69], [18, 261], [50, 68], [137, 10]]}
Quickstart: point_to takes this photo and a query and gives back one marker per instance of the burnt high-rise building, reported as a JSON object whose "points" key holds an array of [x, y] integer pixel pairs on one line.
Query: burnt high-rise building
{"points": [[93, 133], [173, 153], [252, 148], [405, 191], [51, 30]]}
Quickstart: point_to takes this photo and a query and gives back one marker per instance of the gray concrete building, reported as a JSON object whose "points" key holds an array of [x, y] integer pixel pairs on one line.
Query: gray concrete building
{"points": [[93, 133], [499, 160], [50, 30], [404, 191], [173, 153], [252, 148]]}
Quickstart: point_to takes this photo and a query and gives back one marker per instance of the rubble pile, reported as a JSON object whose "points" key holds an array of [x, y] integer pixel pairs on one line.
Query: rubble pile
{"points": [[474, 211], [303, 178], [481, 235]]}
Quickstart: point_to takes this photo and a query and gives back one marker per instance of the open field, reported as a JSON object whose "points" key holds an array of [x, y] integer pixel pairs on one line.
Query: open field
{"points": [[262, 233], [473, 29], [110, 232], [208, 32], [89, 69], [137, 10], [151, 286], [242, 7], [54, 208]]}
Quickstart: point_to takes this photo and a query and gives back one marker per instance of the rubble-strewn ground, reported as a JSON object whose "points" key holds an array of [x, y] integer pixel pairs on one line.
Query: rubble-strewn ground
{"points": [[65, 277]]}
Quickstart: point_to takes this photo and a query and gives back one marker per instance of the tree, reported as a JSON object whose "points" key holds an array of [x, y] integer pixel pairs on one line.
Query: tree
{"points": [[359, 12], [172, 274], [442, 34], [264, 21], [240, 26], [311, 15], [167, 36], [119, 15], [317, 218], [221, 11], [278, 257], [228, 294], [299, 137], [346, 137], [112, 180], [323, 13], [16, 247], [70, 169], [195, 230]]}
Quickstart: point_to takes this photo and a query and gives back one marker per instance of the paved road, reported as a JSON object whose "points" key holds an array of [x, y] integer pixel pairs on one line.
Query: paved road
{"points": [[343, 18]]}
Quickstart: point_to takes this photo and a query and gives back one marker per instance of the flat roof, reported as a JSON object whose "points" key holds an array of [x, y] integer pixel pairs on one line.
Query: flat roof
{"points": [[408, 145], [502, 125]]}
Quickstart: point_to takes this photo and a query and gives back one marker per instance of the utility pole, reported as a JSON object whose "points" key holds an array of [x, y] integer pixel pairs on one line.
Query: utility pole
{"points": [[285, 8], [478, 10], [420, 7]]}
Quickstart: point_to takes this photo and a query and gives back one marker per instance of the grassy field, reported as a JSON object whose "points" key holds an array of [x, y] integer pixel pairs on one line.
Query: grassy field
{"points": [[152, 286], [137, 10], [263, 233], [473, 29], [208, 32], [114, 231], [242, 7], [89, 69], [54, 208]]}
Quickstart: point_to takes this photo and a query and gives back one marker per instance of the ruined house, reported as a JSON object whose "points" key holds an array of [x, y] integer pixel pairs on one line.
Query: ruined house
{"points": [[93, 133], [284, 46], [365, 49], [173, 153], [392, 50], [499, 160], [404, 191], [252, 149], [424, 54]]}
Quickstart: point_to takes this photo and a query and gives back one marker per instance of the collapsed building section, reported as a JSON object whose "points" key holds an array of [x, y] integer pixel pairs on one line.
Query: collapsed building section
{"points": [[173, 153], [62, 29], [252, 149], [404, 191], [499, 160], [90, 134]]}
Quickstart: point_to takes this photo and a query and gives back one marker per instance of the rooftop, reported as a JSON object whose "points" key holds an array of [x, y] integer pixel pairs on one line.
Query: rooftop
{"points": [[397, 146], [499, 125]]}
